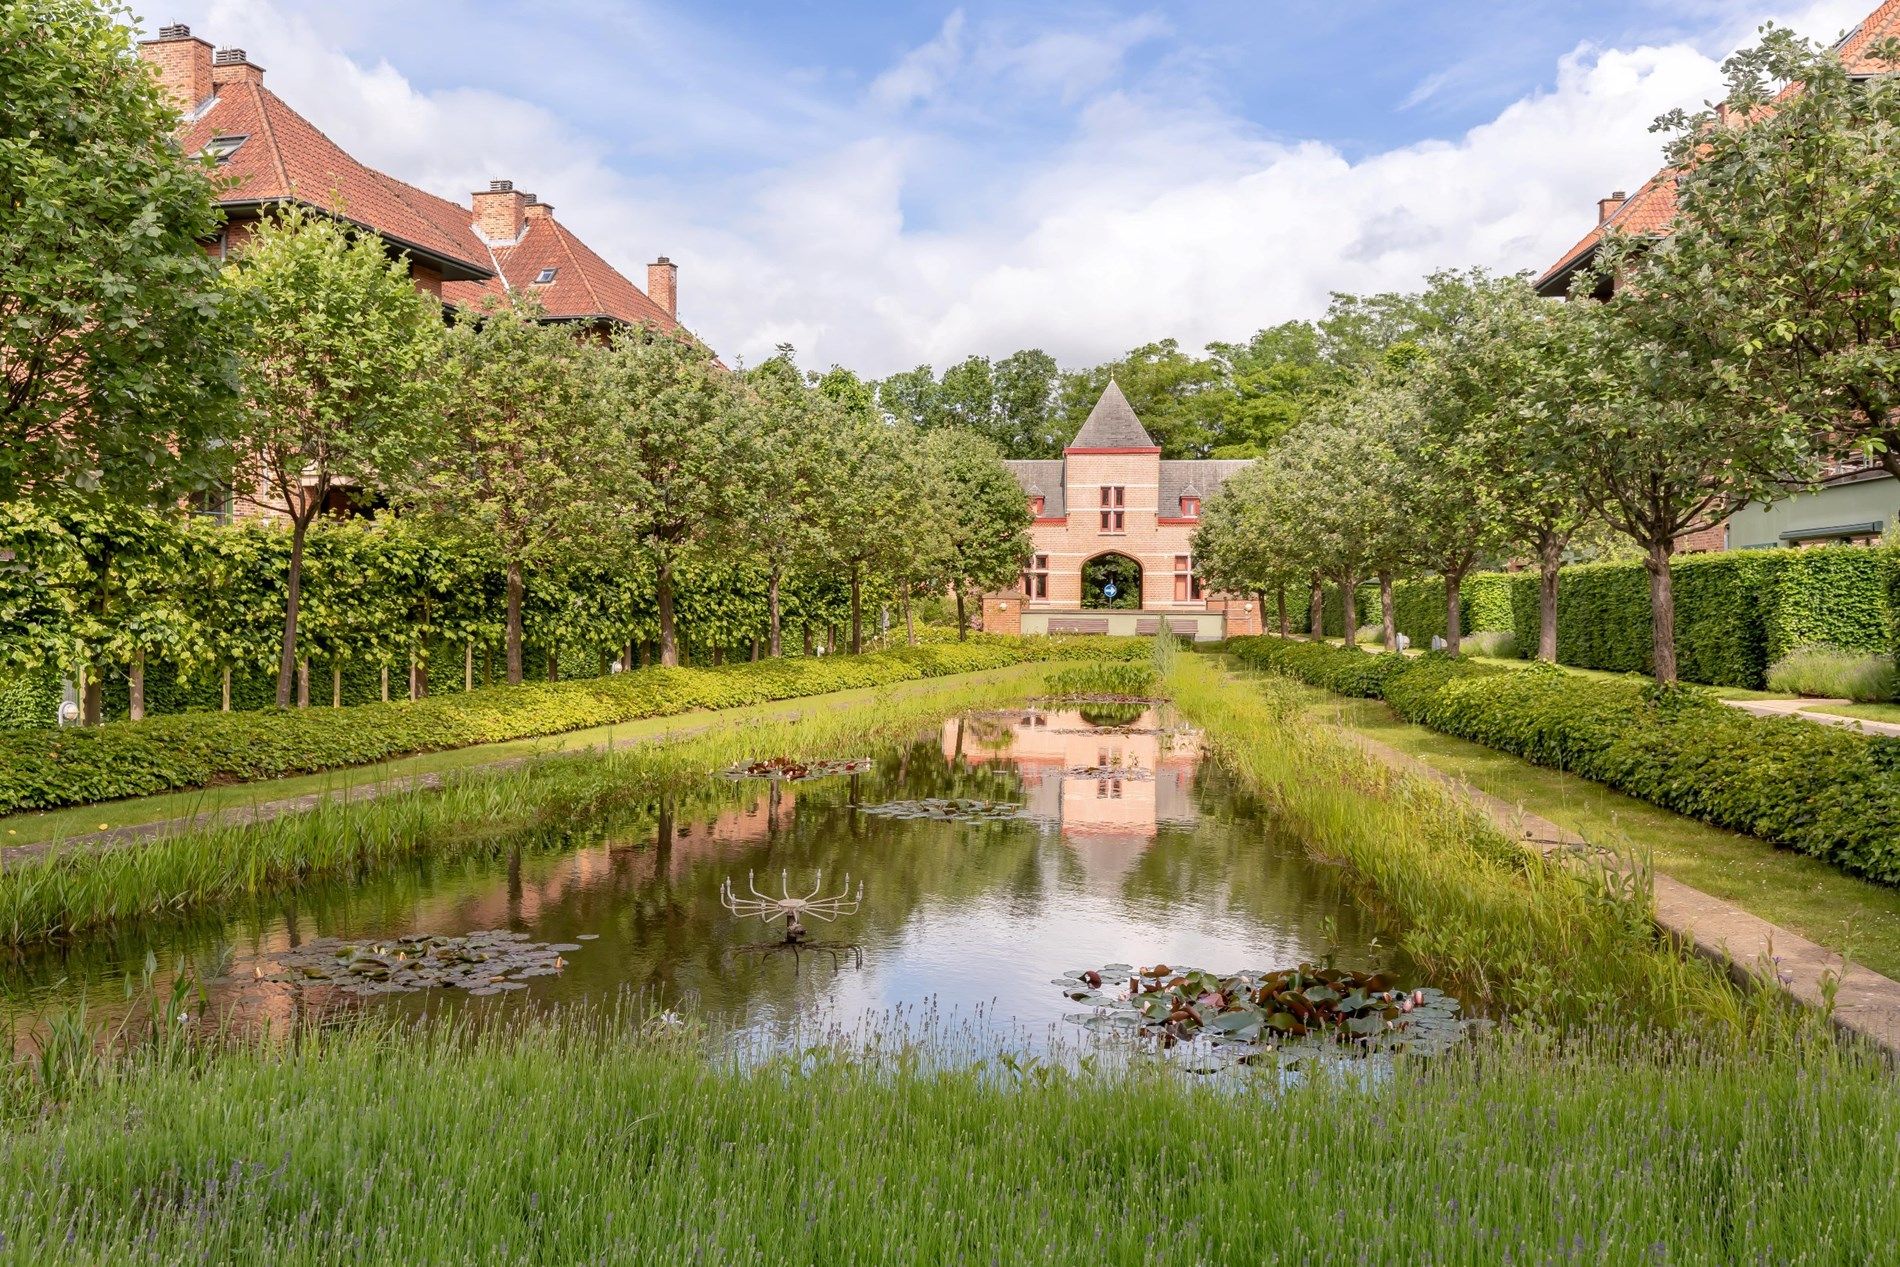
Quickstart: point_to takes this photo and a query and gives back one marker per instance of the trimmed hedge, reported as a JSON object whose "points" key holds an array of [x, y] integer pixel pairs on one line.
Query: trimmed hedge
{"points": [[1736, 613], [48, 769], [1820, 790]]}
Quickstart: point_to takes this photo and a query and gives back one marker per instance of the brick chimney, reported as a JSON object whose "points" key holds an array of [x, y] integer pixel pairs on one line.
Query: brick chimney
{"points": [[498, 211], [1607, 207], [231, 66], [538, 210], [663, 285], [183, 64]]}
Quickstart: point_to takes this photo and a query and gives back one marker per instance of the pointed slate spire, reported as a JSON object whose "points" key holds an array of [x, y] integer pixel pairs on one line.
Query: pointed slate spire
{"points": [[1112, 424]]}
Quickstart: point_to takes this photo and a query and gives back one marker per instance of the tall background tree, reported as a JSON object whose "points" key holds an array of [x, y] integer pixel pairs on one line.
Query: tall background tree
{"points": [[337, 371], [1782, 273], [511, 466], [111, 337], [681, 452], [982, 516]]}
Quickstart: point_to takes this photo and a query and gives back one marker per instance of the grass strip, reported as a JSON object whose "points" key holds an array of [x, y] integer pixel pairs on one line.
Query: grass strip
{"points": [[1849, 915], [41, 769], [1562, 941], [576, 1139], [551, 803]]}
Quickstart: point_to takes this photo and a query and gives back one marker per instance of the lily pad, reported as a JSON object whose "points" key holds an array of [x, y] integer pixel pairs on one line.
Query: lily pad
{"points": [[1245, 1013], [950, 810], [477, 962]]}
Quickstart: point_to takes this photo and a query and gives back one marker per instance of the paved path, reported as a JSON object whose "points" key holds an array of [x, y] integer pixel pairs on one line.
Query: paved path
{"points": [[1801, 708], [1865, 1003]]}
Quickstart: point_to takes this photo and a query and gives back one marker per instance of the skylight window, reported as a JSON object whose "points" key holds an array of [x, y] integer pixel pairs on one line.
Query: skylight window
{"points": [[545, 276], [222, 147]]}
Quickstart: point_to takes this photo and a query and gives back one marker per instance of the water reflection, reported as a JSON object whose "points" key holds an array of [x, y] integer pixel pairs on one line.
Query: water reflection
{"points": [[1139, 852]]}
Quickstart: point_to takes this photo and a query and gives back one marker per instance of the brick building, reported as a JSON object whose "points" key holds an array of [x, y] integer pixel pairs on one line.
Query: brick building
{"points": [[1112, 538], [504, 242]]}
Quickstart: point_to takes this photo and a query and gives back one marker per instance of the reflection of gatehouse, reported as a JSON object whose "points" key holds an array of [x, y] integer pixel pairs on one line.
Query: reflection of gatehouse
{"points": [[1112, 536]]}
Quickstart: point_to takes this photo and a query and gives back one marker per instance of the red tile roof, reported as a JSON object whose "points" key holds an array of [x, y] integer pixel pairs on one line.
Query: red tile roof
{"points": [[285, 157], [1653, 208], [585, 286]]}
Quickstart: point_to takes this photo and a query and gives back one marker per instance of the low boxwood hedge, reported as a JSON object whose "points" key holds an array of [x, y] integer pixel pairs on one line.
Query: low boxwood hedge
{"points": [[51, 768], [1821, 790]]}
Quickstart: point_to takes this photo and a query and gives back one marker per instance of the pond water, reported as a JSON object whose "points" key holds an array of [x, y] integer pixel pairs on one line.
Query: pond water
{"points": [[1130, 849]]}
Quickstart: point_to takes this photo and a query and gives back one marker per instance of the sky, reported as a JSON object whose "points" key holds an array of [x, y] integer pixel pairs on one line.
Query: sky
{"points": [[888, 184]]}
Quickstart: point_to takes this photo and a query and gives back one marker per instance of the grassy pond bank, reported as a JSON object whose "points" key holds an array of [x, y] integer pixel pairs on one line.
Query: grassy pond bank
{"points": [[913, 1080]]}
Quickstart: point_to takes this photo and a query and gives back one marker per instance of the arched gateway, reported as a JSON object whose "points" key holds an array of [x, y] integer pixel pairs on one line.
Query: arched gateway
{"points": [[1111, 514]]}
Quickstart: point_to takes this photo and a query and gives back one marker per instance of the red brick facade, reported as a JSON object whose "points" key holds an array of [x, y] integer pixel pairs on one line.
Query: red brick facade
{"points": [[1113, 493]]}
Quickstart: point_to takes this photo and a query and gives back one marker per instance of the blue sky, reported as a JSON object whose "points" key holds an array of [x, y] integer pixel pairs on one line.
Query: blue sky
{"points": [[883, 184]]}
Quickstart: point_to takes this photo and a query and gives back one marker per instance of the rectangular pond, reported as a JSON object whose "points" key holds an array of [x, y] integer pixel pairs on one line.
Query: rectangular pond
{"points": [[986, 859]]}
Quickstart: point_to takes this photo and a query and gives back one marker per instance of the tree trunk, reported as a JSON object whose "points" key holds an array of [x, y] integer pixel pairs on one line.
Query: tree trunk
{"points": [[293, 602], [963, 618], [718, 655], [385, 684], [1662, 609], [1316, 612], [755, 651], [92, 697], [135, 687], [514, 624], [415, 679], [808, 643], [303, 681], [468, 666], [1286, 622], [1388, 619], [857, 608], [1454, 613], [1349, 609], [669, 636], [554, 665], [910, 622], [775, 644], [336, 684], [1550, 557], [224, 698]]}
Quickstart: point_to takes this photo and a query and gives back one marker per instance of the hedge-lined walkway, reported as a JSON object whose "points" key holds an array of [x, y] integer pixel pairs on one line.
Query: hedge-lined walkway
{"points": [[148, 818], [54, 769], [1814, 710], [1860, 1001]]}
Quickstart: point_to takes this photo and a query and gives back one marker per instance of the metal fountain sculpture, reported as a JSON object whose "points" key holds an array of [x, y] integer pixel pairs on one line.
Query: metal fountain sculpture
{"points": [[794, 910]]}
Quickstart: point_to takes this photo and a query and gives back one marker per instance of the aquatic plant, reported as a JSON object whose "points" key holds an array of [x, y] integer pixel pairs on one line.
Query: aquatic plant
{"points": [[1247, 1011], [481, 963]]}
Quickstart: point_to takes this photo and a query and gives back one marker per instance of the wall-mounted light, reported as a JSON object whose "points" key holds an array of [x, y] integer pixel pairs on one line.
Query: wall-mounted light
{"points": [[1002, 607]]}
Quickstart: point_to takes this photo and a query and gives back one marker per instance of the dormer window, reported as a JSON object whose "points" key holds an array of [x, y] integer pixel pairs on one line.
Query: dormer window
{"points": [[545, 276], [220, 148], [1190, 506], [1036, 504]]}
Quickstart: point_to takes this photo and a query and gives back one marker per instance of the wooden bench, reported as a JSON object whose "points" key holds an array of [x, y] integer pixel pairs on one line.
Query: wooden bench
{"points": [[1057, 625]]}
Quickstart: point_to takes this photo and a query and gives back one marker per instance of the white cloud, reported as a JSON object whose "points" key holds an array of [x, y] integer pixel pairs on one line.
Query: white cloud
{"points": [[1157, 213]]}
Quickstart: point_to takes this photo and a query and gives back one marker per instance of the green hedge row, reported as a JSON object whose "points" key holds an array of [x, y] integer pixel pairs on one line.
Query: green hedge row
{"points": [[1736, 613], [47, 769], [1821, 790]]}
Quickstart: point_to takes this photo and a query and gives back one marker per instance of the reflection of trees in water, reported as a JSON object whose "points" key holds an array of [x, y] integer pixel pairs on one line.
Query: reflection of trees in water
{"points": [[1240, 860], [648, 886]]}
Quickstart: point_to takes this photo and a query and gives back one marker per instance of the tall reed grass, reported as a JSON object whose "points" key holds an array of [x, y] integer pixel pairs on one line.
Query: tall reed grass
{"points": [[550, 803], [1570, 942], [1830, 673], [579, 1140]]}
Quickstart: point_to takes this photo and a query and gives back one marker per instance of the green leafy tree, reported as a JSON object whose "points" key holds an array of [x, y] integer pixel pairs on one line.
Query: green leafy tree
{"points": [[981, 514], [1782, 274], [682, 443], [112, 339], [337, 371], [1658, 451], [1178, 397], [784, 510], [865, 506], [512, 464]]}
